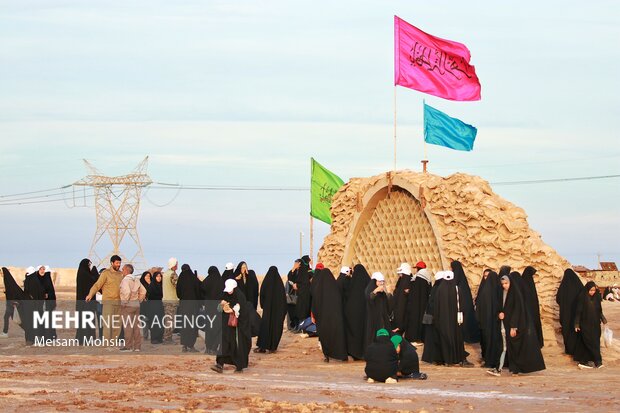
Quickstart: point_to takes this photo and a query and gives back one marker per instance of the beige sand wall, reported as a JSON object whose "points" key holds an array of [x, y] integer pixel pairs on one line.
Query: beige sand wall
{"points": [[472, 224]]}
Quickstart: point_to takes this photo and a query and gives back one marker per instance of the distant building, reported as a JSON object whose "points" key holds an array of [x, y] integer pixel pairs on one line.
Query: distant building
{"points": [[606, 276]]}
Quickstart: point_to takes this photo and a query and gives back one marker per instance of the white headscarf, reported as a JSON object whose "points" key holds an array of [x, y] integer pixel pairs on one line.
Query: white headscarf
{"points": [[377, 276], [423, 273]]}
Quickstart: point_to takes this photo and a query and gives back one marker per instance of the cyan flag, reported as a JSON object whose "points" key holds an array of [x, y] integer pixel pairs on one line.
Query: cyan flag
{"points": [[441, 129]]}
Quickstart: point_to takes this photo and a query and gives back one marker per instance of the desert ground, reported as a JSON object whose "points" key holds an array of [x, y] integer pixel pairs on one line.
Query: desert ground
{"points": [[294, 379]]}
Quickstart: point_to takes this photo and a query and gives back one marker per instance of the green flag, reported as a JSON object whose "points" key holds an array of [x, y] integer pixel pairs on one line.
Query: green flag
{"points": [[324, 184]]}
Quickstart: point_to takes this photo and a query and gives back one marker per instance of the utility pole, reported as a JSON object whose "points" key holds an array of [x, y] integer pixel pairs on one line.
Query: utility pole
{"points": [[117, 203]]}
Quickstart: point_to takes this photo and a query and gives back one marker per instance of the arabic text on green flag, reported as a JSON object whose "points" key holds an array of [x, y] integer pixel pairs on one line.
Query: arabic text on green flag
{"points": [[324, 184]]}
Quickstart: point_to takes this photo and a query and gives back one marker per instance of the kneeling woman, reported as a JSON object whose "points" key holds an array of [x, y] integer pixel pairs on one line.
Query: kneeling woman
{"points": [[408, 361], [381, 359], [236, 332]]}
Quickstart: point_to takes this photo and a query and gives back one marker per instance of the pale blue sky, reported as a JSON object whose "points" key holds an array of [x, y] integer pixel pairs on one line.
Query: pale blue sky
{"points": [[245, 92]]}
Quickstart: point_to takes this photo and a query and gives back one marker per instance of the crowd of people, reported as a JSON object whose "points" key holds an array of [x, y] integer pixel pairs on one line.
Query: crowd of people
{"points": [[354, 314]]}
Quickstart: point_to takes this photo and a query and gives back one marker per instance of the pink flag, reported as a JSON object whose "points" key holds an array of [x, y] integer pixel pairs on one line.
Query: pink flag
{"points": [[432, 65]]}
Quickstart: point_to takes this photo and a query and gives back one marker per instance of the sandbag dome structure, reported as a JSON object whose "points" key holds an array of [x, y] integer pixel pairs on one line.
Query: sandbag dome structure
{"points": [[405, 216]]}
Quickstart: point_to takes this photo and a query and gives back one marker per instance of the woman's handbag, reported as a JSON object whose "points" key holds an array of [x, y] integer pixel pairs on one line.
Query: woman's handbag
{"points": [[232, 320]]}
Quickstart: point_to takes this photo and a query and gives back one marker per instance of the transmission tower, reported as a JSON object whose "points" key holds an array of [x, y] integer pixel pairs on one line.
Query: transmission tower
{"points": [[117, 203]]}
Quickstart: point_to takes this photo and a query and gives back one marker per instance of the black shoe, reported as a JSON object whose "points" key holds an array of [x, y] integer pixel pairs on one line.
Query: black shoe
{"points": [[260, 350], [217, 368], [466, 363], [326, 359]]}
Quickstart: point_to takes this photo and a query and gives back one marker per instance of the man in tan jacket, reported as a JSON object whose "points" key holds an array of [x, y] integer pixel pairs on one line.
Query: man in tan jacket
{"points": [[170, 298], [132, 294], [109, 283]]}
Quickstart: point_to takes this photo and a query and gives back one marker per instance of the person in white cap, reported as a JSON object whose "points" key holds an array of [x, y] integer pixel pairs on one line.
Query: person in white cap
{"points": [[35, 294], [401, 295], [236, 332], [45, 278], [448, 322], [377, 307], [229, 270], [170, 298]]}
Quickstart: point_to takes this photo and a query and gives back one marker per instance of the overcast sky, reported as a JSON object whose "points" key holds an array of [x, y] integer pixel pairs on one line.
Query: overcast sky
{"points": [[243, 93]]}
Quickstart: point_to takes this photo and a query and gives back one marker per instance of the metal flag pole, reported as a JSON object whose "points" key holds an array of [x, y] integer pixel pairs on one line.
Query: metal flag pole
{"points": [[311, 218], [311, 238], [394, 127], [425, 160]]}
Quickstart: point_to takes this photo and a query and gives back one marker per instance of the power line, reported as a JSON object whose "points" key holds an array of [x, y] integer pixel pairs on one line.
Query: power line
{"points": [[544, 181], [35, 192], [5, 200]]}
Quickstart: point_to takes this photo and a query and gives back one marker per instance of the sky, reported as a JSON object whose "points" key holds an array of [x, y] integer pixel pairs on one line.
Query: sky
{"points": [[243, 93]]}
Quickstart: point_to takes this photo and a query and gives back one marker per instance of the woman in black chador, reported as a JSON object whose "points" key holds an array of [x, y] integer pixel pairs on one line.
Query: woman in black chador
{"points": [[273, 303], [377, 307], [35, 298], [588, 318], [45, 278], [236, 330], [87, 276], [156, 308], [328, 309], [522, 346], [471, 332], [212, 291], [566, 297], [303, 289], [354, 305], [448, 324], [417, 302], [190, 297], [16, 299], [488, 305], [531, 301]]}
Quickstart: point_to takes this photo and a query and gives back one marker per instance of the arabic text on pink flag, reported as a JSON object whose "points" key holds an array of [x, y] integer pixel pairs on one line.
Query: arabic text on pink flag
{"points": [[432, 65]]}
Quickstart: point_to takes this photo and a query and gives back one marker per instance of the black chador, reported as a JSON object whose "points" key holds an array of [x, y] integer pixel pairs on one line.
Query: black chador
{"points": [[417, 302], [566, 297], [14, 294], [471, 331], [50, 299], [190, 297], [303, 290], [328, 309], [212, 291], [451, 347], [377, 310], [236, 341], [85, 279], [399, 303], [588, 318], [273, 303], [381, 359], [523, 350], [35, 297], [531, 301], [431, 353], [355, 311], [488, 305]]}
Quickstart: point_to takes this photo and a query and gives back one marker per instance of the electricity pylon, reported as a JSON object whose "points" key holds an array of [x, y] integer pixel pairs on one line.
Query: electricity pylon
{"points": [[117, 203]]}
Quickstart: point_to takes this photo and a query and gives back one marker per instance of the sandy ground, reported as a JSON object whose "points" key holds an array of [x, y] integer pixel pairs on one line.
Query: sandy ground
{"points": [[293, 379]]}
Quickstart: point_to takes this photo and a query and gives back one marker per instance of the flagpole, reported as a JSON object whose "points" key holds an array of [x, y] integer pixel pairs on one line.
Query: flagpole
{"points": [[311, 238], [311, 219], [425, 160], [394, 127]]}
